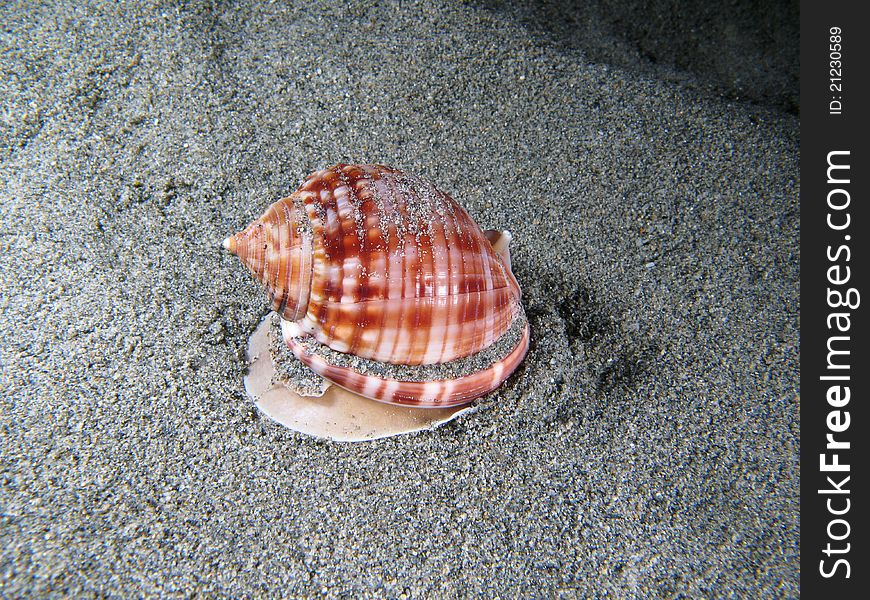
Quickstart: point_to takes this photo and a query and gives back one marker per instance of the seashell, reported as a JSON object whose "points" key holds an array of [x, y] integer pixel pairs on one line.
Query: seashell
{"points": [[388, 288]]}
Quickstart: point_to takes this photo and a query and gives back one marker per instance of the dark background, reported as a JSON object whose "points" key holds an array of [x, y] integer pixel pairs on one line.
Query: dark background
{"points": [[739, 49], [820, 134]]}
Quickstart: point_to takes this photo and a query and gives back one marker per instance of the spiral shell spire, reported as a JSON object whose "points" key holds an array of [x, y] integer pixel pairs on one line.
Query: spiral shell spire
{"points": [[276, 248]]}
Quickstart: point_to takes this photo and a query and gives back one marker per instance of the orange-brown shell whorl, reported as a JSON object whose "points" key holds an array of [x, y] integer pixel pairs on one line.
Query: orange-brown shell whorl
{"points": [[276, 248], [396, 271]]}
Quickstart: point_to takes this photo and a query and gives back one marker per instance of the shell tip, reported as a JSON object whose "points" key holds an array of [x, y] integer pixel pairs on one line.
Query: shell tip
{"points": [[230, 244]]}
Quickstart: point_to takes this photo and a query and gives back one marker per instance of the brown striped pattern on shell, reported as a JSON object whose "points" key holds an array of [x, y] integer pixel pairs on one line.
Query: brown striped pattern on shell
{"points": [[399, 272], [277, 250]]}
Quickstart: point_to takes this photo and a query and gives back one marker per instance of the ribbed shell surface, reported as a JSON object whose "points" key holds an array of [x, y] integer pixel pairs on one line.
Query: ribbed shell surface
{"points": [[277, 250], [400, 271]]}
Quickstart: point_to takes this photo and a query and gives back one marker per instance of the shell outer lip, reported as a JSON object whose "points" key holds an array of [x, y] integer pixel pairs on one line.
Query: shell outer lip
{"points": [[413, 391], [338, 415]]}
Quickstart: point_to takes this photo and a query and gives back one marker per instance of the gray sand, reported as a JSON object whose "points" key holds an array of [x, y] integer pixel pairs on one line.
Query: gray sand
{"points": [[646, 448]]}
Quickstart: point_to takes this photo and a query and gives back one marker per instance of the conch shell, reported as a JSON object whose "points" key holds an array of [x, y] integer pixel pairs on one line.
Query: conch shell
{"points": [[391, 275]]}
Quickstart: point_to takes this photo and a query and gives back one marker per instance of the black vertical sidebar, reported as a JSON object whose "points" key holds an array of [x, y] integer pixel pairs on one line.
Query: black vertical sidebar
{"points": [[835, 300]]}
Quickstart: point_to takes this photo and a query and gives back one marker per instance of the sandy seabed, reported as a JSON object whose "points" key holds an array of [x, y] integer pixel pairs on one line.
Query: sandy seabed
{"points": [[648, 446]]}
